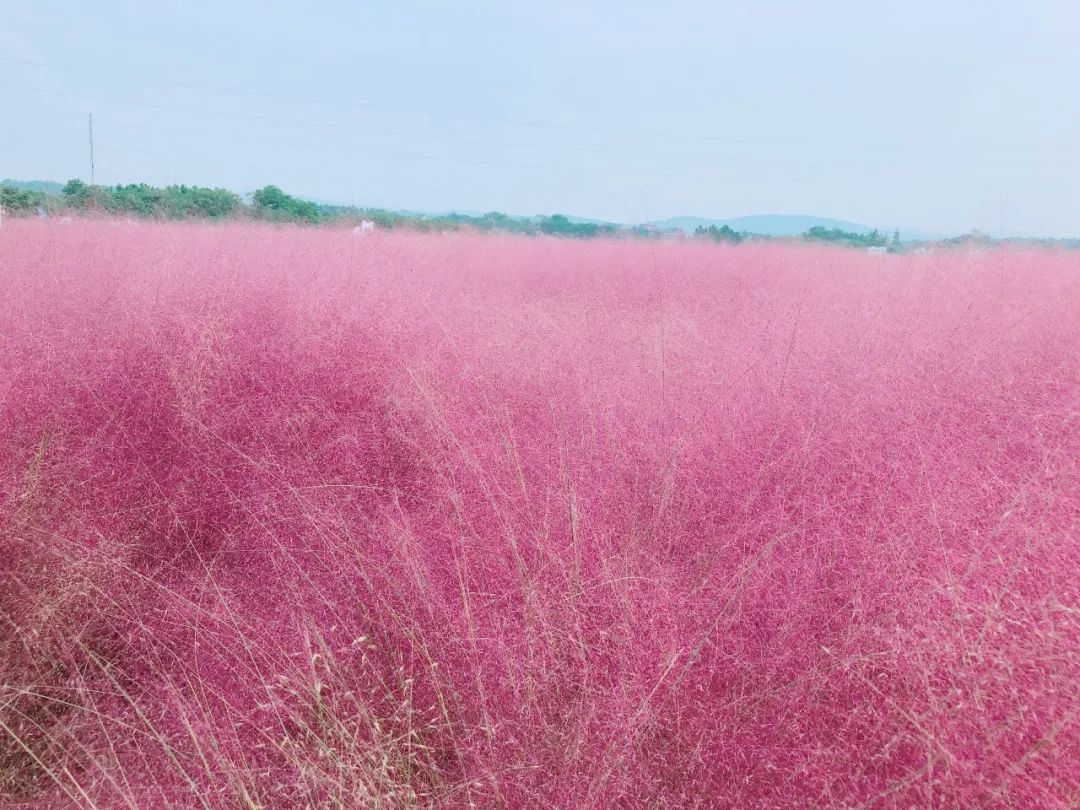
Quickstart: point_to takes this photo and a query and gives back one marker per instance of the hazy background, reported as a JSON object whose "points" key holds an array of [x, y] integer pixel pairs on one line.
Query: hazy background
{"points": [[943, 116]]}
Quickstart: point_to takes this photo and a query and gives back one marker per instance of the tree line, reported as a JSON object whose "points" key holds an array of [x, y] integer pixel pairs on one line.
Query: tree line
{"points": [[818, 233], [270, 203]]}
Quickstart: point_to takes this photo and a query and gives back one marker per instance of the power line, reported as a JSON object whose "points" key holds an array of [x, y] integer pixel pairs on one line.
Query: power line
{"points": [[320, 125], [392, 132], [698, 176], [708, 138], [295, 122], [441, 158], [402, 110], [353, 129], [91, 124], [371, 131], [367, 151], [351, 105], [339, 127], [454, 159]]}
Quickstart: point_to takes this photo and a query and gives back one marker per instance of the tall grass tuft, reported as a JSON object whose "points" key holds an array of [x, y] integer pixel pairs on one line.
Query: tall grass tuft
{"points": [[294, 519]]}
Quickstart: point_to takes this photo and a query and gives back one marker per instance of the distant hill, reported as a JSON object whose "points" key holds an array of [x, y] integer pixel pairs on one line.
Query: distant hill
{"points": [[589, 221], [764, 224], [44, 186], [788, 225], [524, 218]]}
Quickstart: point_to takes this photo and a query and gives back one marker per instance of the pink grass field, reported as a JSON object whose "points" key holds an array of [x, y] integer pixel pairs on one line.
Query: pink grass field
{"points": [[296, 518]]}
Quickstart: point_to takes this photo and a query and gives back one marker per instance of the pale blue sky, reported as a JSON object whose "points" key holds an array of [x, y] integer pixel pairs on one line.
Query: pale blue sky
{"points": [[941, 115]]}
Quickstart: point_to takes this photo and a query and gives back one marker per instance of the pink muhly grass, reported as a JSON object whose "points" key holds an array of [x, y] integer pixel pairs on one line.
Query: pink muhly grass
{"points": [[293, 518]]}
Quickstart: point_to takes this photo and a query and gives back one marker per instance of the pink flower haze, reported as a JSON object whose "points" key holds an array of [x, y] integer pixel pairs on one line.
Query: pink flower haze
{"points": [[299, 518]]}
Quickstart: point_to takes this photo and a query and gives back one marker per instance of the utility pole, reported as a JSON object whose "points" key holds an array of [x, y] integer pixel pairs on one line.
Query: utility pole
{"points": [[91, 149]]}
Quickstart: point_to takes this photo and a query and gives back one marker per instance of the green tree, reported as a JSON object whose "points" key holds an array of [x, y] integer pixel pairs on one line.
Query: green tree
{"points": [[195, 201], [138, 199], [725, 233], [819, 233], [18, 201], [271, 202], [78, 194], [75, 189], [560, 225]]}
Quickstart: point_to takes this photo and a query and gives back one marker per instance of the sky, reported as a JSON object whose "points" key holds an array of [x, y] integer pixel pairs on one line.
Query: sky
{"points": [[943, 116]]}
